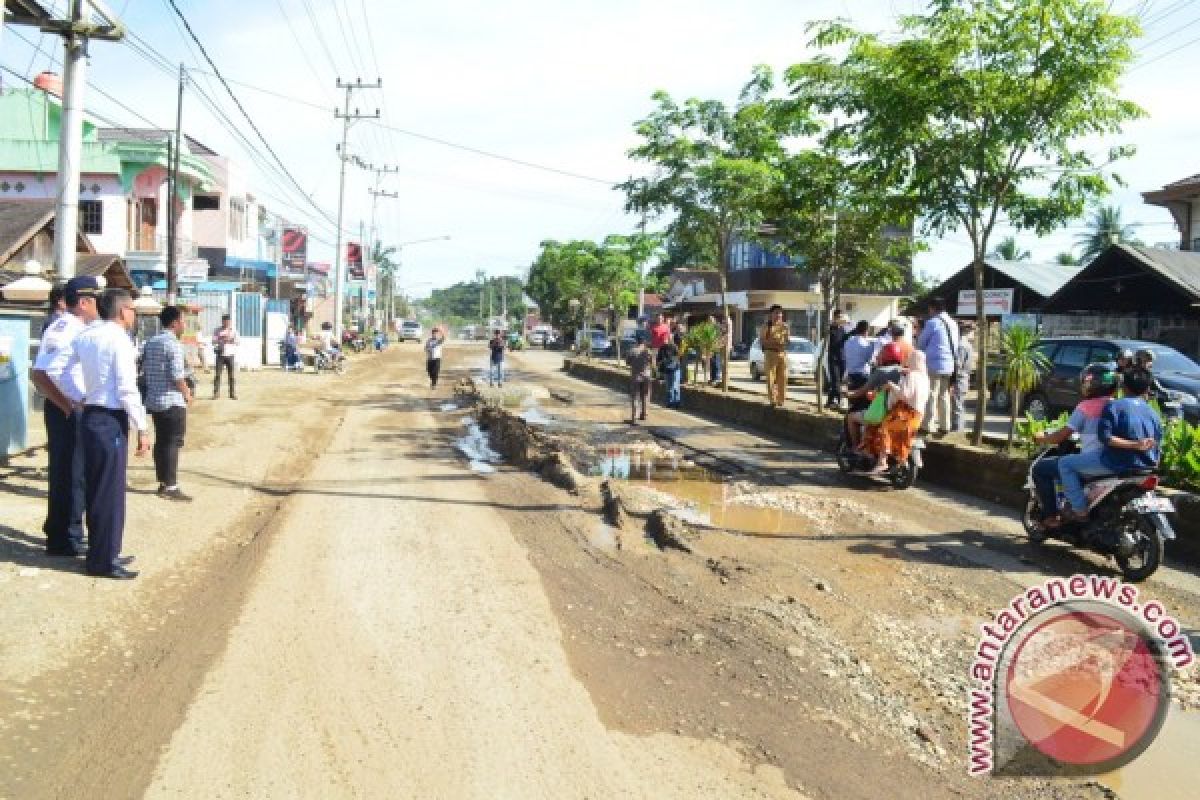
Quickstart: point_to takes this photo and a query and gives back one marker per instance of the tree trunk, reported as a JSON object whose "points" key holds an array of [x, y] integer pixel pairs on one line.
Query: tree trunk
{"points": [[981, 340], [722, 254], [1012, 416]]}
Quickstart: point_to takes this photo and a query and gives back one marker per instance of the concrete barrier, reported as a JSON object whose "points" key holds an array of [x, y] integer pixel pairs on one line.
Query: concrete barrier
{"points": [[983, 472]]}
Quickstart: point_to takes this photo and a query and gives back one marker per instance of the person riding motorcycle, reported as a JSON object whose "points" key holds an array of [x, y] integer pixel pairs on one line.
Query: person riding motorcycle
{"points": [[859, 392], [1098, 385], [1131, 433]]}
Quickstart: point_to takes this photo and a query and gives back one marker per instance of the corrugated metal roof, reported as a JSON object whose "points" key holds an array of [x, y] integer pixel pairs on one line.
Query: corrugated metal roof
{"points": [[20, 220], [1194, 179], [1181, 267], [1045, 279]]}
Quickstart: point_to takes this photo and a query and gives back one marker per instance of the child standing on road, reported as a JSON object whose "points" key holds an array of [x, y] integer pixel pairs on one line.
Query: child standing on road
{"points": [[496, 368], [641, 373]]}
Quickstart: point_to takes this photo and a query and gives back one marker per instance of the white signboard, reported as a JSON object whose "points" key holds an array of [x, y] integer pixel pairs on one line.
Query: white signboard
{"points": [[996, 302]]}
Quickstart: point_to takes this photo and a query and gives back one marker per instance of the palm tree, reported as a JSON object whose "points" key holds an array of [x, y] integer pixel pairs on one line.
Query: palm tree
{"points": [[382, 257], [1009, 250], [1067, 259], [1104, 230], [1024, 365]]}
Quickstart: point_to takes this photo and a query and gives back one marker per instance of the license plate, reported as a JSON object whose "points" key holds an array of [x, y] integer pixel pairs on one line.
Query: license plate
{"points": [[1152, 504]]}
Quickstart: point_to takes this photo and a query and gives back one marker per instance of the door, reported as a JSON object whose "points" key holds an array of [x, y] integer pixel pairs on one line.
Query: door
{"points": [[1062, 384], [147, 221]]}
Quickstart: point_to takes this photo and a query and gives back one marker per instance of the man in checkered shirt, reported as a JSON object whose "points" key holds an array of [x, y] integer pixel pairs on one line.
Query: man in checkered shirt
{"points": [[167, 399]]}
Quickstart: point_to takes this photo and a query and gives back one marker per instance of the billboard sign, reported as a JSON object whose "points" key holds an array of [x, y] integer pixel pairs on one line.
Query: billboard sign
{"points": [[294, 249], [996, 302], [354, 262]]}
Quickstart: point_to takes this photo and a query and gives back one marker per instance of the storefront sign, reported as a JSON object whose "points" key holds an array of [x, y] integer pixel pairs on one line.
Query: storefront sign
{"points": [[996, 302]]}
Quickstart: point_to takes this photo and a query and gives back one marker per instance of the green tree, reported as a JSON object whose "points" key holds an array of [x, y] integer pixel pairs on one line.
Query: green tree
{"points": [[977, 111], [714, 168], [1023, 367], [1009, 250], [826, 212], [1105, 229], [702, 340], [1066, 259], [381, 256]]}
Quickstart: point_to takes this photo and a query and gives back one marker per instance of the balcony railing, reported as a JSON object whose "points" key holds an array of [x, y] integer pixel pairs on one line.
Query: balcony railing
{"points": [[156, 244]]}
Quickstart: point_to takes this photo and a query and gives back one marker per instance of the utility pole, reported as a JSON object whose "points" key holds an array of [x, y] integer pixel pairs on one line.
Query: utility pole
{"points": [[480, 276], [70, 144], [172, 191], [377, 193], [339, 257]]}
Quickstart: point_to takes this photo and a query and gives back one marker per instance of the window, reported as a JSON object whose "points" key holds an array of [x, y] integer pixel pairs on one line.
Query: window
{"points": [[237, 218], [91, 216], [1072, 357], [206, 202]]}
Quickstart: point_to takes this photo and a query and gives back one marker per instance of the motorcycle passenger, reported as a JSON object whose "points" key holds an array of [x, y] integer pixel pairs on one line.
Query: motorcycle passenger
{"points": [[861, 388], [1130, 431], [1098, 384], [905, 400]]}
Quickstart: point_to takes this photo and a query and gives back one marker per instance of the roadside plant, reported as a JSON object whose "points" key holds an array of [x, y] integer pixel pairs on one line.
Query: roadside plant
{"points": [[1030, 427], [1023, 367], [1179, 465], [701, 339]]}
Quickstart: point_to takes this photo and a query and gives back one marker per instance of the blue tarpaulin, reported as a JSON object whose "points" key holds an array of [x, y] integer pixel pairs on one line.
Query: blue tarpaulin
{"points": [[203, 286], [251, 265]]}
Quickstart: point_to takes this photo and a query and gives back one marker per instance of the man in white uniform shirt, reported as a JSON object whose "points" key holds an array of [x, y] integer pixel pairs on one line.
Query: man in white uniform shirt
{"points": [[111, 403], [65, 497]]}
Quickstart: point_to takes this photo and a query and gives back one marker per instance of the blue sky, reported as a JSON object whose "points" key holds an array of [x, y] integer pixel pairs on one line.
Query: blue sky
{"points": [[553, 83]]}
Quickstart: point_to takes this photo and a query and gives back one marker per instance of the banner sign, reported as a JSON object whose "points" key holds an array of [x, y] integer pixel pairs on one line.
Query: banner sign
{"points": [[354, 262], [996, 302], [295, 249]]}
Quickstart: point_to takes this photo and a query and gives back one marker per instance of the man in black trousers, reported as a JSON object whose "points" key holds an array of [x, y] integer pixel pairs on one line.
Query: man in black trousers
{"points": [[111, 403], [225, 342], [65, 497], [167, 398]]}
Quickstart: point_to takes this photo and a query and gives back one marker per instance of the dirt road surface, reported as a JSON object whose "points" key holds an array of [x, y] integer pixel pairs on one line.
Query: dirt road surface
{"points": [[351, 610]]}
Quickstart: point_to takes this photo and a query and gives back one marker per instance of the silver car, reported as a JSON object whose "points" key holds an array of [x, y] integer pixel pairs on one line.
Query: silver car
{"points": [[801, 359]]}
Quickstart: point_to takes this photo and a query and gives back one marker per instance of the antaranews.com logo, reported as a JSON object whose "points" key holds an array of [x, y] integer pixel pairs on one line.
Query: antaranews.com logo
{"points": [[1071, 678]]}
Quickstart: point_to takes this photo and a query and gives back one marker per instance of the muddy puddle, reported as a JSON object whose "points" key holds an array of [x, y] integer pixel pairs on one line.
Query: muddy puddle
{"points": [[1167, 770], [474, 445], [703, 497]]}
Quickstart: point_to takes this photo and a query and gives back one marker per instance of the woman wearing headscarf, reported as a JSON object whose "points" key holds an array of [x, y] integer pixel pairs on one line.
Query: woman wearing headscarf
{"points": [[905, 401]]}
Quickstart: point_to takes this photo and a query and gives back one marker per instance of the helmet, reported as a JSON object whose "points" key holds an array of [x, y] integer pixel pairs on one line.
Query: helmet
{"points": [[891, 355], [1126, 354], [1098, 380]]}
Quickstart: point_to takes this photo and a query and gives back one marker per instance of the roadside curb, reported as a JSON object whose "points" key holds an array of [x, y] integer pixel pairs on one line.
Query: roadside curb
{"points": [[982, 472]]}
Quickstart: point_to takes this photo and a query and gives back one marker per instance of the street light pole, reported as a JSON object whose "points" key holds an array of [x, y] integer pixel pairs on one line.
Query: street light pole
{"points": [[338, 257]]}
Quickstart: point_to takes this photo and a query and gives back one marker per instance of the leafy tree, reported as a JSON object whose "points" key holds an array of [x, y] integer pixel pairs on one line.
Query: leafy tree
{"points": [[977, 110], [714, 167], [1105, 229], [826, 211], [381, 256], [1009, 250], [1066, 258], [1024, 365], [702, 340]]}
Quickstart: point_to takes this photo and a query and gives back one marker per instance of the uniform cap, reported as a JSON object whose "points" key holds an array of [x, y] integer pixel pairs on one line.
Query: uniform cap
{"points": [[891, 354], [83, 286]]}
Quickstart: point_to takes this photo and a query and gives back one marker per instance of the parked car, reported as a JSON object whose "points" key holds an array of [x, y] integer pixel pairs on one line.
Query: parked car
{"points": [[410, 329], [1058, 388], [601, 343], [801, 358], [740, 351]]}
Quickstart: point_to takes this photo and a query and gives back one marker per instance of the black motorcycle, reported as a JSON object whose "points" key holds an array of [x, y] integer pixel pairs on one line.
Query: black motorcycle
{"points": [[901, 474], [1126, 519]]}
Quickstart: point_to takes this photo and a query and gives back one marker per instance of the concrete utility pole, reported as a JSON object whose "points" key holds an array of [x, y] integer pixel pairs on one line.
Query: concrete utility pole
{"points": [[339, 279], [481, 276], [172, 191]]}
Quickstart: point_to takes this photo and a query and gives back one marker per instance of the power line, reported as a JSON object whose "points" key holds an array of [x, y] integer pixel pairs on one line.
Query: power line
{"points": [[241, 108]]}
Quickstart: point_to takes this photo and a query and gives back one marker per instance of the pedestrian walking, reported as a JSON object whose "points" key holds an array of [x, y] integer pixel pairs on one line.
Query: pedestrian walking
{"points": [[836, 360], [167, 397], [225, 343], [774, 339], [641, 375], [496, 360], [433, 355], [65, 495], [111, 404], [939, 342], [962, 382]]}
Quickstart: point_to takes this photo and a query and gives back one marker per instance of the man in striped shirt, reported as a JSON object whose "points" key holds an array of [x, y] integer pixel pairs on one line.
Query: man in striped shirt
{"points": [[167, 399]]}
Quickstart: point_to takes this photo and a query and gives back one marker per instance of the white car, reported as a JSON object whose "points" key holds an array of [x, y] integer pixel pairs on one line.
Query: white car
{"points": [[410, 329], [801, 359]]}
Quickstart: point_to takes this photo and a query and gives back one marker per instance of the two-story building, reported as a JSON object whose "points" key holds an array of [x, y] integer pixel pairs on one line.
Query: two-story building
{"points": [[1182, 199], [233, 230], [123, 175]]}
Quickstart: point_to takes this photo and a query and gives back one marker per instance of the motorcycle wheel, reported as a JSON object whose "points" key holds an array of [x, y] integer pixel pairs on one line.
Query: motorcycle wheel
{"points": [[1029, 520], [904, 475], [845, 459], [1148, 555]]}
